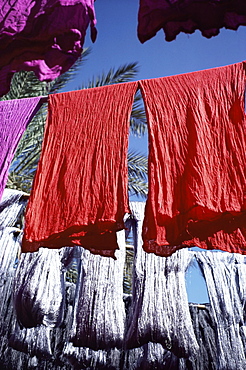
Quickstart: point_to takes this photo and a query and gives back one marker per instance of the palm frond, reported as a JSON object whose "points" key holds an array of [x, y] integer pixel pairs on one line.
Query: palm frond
{"points": [[138, 123], [137, 187], [137, 165], [137, 174], [124, 73], [24, 85]]}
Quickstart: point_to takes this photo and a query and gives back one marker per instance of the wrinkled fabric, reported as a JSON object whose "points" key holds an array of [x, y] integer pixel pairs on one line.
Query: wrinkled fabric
{"points": [[80, 193], [99, 311], [220, 276], [12, 205], [159, 311], [86, 358], [175, 16], [9, 248], [32, 341], [150, 356], [42, 36], [240, 276], [36, 341], [39, 288], [197, 161], [15, 115], [203, 322]]}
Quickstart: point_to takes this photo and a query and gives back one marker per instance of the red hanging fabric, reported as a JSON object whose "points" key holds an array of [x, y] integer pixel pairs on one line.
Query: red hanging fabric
{"points": [[175, 16], [197, 161], [80, 193]]}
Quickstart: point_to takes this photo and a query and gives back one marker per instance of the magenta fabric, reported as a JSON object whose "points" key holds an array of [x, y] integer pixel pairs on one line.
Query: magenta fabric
{"points": [[175, 16], [44, 36], [197, 161], [80, 192], [15, 115]]}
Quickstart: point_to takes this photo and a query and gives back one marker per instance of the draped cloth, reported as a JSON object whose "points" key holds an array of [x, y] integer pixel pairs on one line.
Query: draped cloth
{"points": [[175, 16], [99, 311], [39, 287], [15, 115], [197, 161], [159, 312], [42, 36], [223, 282], [12, 205], [80, 193]]}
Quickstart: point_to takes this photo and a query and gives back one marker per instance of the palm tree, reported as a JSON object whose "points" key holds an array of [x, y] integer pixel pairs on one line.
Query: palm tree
{"points": [[25, 84]]}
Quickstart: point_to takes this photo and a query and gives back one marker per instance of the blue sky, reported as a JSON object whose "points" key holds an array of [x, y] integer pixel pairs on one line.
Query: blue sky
{"points": [[117, 44]]}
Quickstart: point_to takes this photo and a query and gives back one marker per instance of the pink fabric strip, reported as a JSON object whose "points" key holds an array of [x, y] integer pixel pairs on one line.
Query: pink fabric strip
{"points": [[15, 115]]}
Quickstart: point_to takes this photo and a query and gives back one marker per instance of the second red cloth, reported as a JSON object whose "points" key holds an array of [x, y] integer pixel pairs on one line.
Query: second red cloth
{"points": [[197, 161]]}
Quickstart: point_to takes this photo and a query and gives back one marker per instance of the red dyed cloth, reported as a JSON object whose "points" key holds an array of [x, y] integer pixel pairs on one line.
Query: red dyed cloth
{"points": [[44, 36], [197, 161], [80, 192], [175, 16]]}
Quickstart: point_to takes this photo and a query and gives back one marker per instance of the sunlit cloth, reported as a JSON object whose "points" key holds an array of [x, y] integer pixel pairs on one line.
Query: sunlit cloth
{"points": [[15, 116], [160, 311], [39, 287], [12, 205], [240, 266], [86, 358], [220, 276], [42, 36], [175, 16], [99, 310], [203, 322], [9, 248], [240, 281], [32, 341], [80, 193], [150, 356], [197, 161]]}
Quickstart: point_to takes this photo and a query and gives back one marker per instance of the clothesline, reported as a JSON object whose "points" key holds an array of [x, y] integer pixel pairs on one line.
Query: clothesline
{"points": [[197, 150]]}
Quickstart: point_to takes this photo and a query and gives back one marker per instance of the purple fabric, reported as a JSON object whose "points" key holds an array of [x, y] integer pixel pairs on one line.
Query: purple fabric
{"points": [[14, 118], [175, 16], [44, 36]]}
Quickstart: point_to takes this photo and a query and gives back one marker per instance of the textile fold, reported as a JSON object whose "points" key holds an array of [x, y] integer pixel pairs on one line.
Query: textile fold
{"points": [[12, 205], [80, 193], [221, 278], [159, 311], [197, 161], [39, 288], [15, 115], [45, 37], [175, 16], [99, 311]]}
